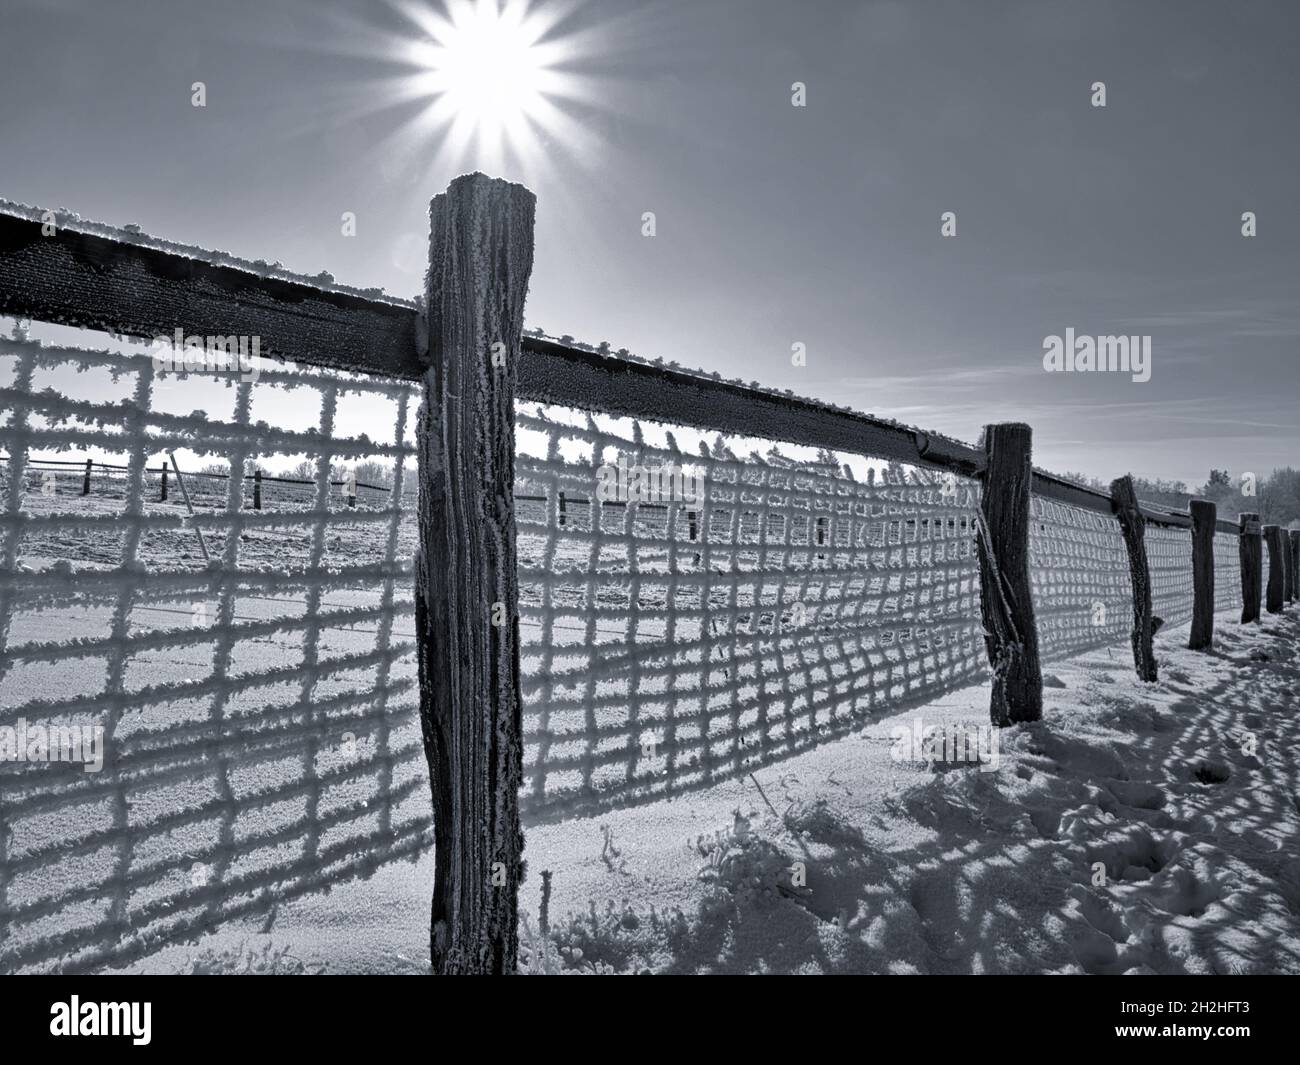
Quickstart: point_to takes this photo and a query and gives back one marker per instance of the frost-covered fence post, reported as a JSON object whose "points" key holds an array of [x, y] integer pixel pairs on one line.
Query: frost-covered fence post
{"points": [[467, 627], [1204, 518], [1006, 599], [1251, 553], [1133, 525], [1273, 596]]}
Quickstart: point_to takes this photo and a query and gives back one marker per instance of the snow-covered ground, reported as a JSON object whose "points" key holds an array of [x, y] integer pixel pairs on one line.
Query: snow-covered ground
{"points": [[1132, 830]]}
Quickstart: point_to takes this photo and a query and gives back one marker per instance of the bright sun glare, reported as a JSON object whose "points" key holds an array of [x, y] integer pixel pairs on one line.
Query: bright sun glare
{"points": [[487, 65], [486, 68], [495, 85]]}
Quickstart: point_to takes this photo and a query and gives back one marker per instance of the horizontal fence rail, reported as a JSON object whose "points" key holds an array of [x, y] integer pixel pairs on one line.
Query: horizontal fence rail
{"points": [[260, 692], [109, 281], [85, 279]]}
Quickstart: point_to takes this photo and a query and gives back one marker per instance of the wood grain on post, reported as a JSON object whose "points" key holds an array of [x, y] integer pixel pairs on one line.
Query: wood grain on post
{"points": [[1006, 602], [1251, 553], [1295, 564], [467, 628], [1288, 568], [1204, 518], [1274, 595], [1133, 525]]}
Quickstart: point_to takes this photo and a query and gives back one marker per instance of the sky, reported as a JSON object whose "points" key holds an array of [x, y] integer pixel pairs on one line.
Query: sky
{"points": [[774, 225]]}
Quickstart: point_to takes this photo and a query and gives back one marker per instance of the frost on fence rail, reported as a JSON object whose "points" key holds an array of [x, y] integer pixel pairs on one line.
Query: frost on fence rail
{"points": [[1169, 556], [260, 736], [1078, 567], [1227, 572], [674, 642]]}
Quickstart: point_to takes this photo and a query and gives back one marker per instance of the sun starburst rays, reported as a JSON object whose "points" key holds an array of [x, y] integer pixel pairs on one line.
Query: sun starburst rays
{"points": [[492, 79]]}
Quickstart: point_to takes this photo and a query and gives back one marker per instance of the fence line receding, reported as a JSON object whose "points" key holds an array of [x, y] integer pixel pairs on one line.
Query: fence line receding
{"points": [[261, 711]]}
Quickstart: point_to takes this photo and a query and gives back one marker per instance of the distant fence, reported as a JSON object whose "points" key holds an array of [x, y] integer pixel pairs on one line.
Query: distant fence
{"points": [[206, 487], [261, 696]]}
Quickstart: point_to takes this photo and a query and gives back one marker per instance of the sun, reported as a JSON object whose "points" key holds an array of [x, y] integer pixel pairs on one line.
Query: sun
{"points": [[504, 86], [487, 64], [490, 73]]}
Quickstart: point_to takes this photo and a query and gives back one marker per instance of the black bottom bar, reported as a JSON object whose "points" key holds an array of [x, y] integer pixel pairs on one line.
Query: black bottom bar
{"points": [[334, 1016]]}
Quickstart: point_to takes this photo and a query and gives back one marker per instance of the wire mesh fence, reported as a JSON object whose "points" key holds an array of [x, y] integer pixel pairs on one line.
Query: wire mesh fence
{"points": [[257, 706], [688, 613], [671, 644], [1169, 559], [256, 710], [1227, 572], [1079, 575]]}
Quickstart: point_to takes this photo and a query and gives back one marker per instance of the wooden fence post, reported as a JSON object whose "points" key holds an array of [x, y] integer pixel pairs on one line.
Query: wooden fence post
{"points": [[1275, 594], [1251, 553], [1204, 519], [1133, 525], [162, 498], [1295, 564], [563, 512], [467, 628], [257, 489], [1006, 600], [85, 481]]}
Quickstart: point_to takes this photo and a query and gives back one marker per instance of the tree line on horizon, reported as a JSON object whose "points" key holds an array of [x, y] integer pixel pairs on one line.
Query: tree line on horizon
{"points": [[1275, 498]]}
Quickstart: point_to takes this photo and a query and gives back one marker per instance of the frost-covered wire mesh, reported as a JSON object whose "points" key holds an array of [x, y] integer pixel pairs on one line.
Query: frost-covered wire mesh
{"points": [[1169, 558], [1078, 568], [258, 711], [253, 671], [1227, 572], [674, 642]]}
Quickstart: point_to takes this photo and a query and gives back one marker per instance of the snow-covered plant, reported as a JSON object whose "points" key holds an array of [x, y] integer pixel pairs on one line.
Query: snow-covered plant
{"points": [[609, 852], [242, 960]]}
